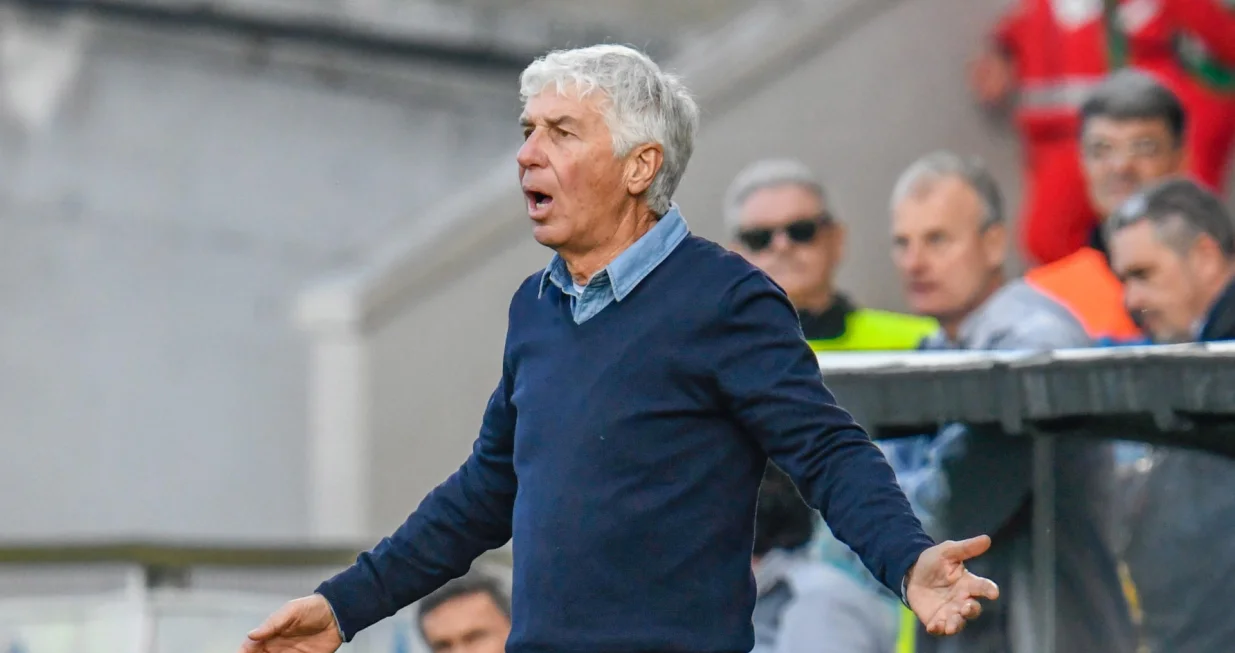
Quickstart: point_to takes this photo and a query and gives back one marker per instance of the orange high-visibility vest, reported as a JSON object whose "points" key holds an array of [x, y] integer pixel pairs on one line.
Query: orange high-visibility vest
{"points": [[1084, 283]]}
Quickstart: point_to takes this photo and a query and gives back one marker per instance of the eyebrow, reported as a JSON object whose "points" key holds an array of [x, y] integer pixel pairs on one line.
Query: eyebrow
{"points": [[556, 121]]}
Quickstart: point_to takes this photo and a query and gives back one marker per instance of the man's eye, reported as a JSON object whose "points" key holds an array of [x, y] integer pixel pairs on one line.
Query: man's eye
{"points": [[1146, 148]]}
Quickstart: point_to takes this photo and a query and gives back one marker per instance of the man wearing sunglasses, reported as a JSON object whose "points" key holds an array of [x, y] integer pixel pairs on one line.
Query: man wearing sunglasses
{"points": [[777, 214]]}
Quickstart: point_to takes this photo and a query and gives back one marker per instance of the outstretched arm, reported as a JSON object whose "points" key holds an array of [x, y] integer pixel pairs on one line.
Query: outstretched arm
{"points": [[772, 384], [468, 514]]}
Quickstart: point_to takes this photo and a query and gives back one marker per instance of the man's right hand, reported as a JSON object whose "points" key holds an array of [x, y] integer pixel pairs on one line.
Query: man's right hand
{"points": [[305, 625], [993, 78]]}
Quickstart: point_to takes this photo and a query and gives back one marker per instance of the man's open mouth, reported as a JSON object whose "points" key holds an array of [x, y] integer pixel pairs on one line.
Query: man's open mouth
{"points": [[537, 201]]}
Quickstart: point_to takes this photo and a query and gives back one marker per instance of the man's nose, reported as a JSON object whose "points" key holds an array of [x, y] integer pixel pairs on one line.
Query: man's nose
{"points": [[781, 242], [910, 260], [1122, 162], [1134, 301], [530, 153]]}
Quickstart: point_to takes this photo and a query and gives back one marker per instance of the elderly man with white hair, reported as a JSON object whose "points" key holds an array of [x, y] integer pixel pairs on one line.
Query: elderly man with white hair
{"points": [[647, 377]]}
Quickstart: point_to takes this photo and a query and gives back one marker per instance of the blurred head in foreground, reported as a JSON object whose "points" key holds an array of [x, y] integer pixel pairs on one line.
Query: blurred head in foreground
{"points": [[470, 614]]}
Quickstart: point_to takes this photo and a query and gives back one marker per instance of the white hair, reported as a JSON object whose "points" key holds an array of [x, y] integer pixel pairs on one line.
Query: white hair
{"points": [[922, 175], [643, 105], [768, 173]]}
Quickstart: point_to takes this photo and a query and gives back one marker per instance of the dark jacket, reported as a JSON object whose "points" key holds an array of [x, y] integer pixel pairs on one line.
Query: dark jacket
{"points": [[1182, 524], [1220, 324]]}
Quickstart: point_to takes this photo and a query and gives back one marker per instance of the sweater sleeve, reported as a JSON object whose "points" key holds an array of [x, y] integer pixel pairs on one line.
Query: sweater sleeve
{"points": [[772, 384], [466, 515]]}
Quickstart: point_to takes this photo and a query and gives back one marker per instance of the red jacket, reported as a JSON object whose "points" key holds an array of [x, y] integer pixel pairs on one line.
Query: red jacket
{"points": [[1060, 49], [1061, 52]]}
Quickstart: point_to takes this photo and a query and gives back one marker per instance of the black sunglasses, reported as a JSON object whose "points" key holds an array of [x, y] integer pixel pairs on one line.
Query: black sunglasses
{"points": [[799, 231]]}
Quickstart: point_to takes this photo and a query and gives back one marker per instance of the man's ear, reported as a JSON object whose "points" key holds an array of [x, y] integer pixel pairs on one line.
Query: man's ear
{"points": [[1206, 259], [642, 164], [995, 245]]}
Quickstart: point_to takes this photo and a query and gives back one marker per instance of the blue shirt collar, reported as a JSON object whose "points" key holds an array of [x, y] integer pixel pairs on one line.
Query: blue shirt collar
{"points": [[631, 266]]}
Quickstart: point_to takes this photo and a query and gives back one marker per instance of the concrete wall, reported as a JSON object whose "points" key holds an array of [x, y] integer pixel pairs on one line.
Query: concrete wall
{"points": [[152, 239]]}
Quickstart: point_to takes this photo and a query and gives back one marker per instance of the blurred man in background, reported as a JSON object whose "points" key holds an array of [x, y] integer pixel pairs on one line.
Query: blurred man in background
{"points": [[1174, 248], [1050, 54], [470, 614], [950, 245], [779, 219], [1132, 134], [805, 606]]}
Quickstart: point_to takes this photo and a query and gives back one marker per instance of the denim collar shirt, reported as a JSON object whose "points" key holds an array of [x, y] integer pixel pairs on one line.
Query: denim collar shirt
{"points": [[623, 274]]}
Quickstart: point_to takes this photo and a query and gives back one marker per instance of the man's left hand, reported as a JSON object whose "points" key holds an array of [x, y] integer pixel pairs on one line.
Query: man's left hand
{"points": [[942, 592]]}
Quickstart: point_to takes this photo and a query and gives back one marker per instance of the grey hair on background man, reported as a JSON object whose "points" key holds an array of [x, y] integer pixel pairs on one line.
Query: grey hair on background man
{"points": [[922, 175], [470, 583], [1133, 95], [1180, 211], [767, 173], [642, 104]]}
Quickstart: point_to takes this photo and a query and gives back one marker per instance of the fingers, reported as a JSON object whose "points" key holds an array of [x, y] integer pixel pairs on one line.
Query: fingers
{"points": [[952, 621], [966, 549], [947, 626], [952, 618], [982, 588], [971, 610], [274, 624]]}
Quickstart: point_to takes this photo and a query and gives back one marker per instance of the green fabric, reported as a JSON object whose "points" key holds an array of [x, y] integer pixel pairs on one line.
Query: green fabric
{"points": [[1116, 40], [1202, 67], [1190, 53], [908, 632], [870, 330]]}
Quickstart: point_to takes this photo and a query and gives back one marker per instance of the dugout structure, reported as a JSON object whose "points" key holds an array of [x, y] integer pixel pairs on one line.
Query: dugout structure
{"points": [[1166, 396]]}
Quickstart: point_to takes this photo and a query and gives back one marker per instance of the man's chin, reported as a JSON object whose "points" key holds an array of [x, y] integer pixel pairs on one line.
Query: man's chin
{"points": [[1114, 201], [547, 236]]}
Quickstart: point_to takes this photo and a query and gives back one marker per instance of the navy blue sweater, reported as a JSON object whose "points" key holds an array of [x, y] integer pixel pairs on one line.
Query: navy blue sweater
{"points": [[624, 456]]}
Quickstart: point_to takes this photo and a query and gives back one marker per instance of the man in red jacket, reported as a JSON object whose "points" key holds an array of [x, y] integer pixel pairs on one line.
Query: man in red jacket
{"points": [[1051, 53]]}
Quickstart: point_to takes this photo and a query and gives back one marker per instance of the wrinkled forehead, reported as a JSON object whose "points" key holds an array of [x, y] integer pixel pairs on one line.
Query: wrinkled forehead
{"points": [[780, 203], [944, 205], [1105, 128], [1137, 246], [565, 100]]}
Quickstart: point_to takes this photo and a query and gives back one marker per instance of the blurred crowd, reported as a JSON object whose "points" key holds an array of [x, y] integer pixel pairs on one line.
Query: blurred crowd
{"points": [[1126, 111]]}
